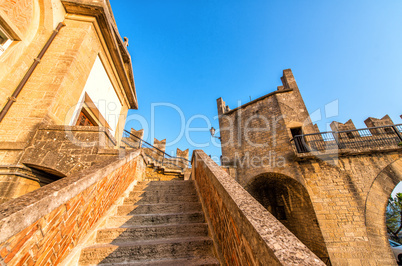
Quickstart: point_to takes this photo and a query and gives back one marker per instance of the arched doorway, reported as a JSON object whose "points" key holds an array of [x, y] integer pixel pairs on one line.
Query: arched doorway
{"points": [[376, 205], [290, 203]]}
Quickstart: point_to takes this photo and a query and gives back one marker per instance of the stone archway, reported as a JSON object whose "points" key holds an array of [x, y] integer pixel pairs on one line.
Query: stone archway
{"points": [[376, 204], [289, 202]]}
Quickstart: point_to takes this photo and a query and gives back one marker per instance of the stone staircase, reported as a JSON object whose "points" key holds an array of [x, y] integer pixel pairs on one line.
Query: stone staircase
{"points": [[159, 223]]}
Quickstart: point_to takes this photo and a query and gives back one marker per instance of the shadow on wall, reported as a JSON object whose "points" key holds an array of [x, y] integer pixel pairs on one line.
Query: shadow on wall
{"points": [[288, 201], [376, 205], [158, 221]]}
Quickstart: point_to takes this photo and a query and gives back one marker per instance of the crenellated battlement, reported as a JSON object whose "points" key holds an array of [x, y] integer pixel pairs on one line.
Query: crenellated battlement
{"points": [[375, 122], [374, 125], [161, 166], [337, 126], [380, 134], [182, 154], [134, 140]]}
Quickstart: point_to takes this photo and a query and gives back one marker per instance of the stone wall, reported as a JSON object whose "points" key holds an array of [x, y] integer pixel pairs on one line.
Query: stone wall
{"points": [[55, 152], [19, 12], [67, 149], [17, 180], [256, 136], [375, 122], [130, 142], [289, 202], [244, 231], [340, 192], [42, 227], [54, 89], [182, 158], [336, 188], [153, 173], [336, 126]]}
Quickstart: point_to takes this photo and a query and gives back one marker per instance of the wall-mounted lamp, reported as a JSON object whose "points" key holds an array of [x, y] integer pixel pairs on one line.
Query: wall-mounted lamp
{"points": [[212, 130]]}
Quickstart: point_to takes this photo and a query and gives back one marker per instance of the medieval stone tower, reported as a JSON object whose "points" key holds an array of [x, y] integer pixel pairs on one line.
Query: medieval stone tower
{"points": [[330, 189]]}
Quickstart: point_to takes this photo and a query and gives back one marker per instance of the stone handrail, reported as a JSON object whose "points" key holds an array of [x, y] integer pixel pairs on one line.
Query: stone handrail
{"points": [[45, 225], [244, 232]]}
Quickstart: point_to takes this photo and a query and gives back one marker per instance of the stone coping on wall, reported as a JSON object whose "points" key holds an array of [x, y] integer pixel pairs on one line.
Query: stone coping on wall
{"points": [[19, 213], [253, 220]]}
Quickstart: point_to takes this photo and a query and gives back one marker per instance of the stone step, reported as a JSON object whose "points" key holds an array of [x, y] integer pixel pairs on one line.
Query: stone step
{"points": [[128, 234], [164, 188], [193, 261], [166, 184], [155, 219], [138, 200], [144, 250], [162, 208], [162, 191]]}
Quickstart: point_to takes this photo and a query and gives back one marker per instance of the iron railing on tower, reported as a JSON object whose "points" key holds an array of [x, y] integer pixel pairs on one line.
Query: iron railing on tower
{"points": [[366, 138], [157, 155]]}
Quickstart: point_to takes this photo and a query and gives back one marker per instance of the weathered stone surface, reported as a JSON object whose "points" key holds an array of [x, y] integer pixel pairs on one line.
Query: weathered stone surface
{"points": [[53, 219], [245, 232], [128, 234], [54, 88], [322, 196], [176, 216], [165, 173], [133, 141], [164, 234], [68, 149]]}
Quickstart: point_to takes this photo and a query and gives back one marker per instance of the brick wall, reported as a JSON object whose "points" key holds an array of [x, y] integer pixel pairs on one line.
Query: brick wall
{"points": [[43, 226], [244, 231]]}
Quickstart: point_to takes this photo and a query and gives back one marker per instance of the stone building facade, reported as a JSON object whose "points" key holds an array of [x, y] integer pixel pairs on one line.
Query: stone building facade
{"points": [[329, 189], [66, 83]]}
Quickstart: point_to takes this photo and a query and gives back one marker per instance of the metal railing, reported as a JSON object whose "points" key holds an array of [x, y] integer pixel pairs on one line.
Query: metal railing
{"points": [[366, 138], [157, 155]]}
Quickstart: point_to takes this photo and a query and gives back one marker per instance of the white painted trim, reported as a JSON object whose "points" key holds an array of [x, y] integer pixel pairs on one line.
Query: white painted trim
{"points": [[8, 42], [101, 91]]}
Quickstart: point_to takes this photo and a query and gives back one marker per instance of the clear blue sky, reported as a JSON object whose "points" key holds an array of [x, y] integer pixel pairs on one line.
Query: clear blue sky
{"points": [[191, 52]]}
